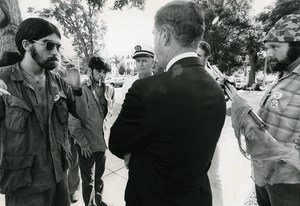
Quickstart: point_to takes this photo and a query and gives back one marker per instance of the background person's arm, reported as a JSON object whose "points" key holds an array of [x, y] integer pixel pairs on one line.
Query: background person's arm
{"points": [[77, 133]]}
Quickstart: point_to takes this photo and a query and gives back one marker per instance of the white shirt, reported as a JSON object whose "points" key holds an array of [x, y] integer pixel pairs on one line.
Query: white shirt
{"points": [[127, 84], [180, 56]]}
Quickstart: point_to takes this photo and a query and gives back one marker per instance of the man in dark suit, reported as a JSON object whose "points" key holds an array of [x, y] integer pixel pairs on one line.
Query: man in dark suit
{"points": [[171, 122]]}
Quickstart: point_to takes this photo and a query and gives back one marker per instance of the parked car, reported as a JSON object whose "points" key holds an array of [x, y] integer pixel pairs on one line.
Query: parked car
{"points": [[116, 81], [239, 82]]}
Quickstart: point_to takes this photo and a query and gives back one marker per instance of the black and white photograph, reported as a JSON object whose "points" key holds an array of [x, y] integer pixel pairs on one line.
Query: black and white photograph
{"points": [[150, 102]]}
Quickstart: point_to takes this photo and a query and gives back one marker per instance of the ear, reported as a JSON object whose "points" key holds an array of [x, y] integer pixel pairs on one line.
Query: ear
{"points": [[89, 72], [26, 45], [166, 35], [152, 62]]}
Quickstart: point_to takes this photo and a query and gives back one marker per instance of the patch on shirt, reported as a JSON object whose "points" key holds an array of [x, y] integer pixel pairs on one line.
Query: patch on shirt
{"points": [[274, 103], [280, 100], [277, 95], [58, 95], [56, 98]]}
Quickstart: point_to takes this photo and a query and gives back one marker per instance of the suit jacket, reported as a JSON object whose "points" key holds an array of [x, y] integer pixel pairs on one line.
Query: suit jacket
{"points": [[170, 123]]}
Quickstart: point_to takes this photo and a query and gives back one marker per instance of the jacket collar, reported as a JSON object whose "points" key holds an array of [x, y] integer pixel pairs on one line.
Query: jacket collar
{"points": [[186, 62], [16, 74], [295, 66], [89, 82], [178, 57]]}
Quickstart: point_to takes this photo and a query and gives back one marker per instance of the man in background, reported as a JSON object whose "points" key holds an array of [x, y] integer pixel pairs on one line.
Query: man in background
{"points": [[171, 122], [89, 134], [144, 59], [73, 171], [204, 53]]}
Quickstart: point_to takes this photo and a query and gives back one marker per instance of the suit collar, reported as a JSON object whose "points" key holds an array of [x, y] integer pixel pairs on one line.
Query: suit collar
{"points": [[186, 62], [180, 56], [183, 65]]}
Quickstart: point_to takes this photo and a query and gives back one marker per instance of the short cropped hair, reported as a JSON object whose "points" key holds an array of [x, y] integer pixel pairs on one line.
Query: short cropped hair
{"points": [[34, 29], [98, 64], [205, 47], [184, 19]]}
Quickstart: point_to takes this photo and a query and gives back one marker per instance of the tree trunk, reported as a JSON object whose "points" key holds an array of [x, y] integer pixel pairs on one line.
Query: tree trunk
{"points": [[253, 62], [7, 34], [4, 14]]}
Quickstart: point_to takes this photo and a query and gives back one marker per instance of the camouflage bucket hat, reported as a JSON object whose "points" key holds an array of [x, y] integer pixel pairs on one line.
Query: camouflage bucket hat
{"points": [[286, 29]]}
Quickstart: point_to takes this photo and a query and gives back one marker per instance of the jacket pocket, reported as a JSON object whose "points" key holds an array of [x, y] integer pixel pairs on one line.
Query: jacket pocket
{"points": [[17, 112], [62, 109], [66, 158], [15, 173], [93, 109], [292, 109]]}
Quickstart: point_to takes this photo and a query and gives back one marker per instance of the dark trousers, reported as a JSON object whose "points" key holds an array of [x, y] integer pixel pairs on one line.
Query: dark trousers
{"points": [[73, 172], [278, 195], [56, 196], [91, 170]]}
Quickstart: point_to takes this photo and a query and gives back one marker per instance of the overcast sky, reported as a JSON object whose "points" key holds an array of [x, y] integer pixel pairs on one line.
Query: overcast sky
{"points": [[126, 28]]}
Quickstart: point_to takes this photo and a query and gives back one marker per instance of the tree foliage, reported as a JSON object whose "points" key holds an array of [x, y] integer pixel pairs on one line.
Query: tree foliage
{"points": [[272, 14], [80, 21], [119, 4], [97, 3], [10, 18], [230, 32], [117, 60], [4, 14], [121, 69]]}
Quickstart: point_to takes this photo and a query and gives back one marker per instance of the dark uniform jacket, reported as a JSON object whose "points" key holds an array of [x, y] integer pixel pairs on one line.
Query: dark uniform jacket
{"points": [[170, 123], [33, 157]]}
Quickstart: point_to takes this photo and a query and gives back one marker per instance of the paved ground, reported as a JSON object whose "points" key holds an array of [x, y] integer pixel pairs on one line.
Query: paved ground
{"points": [[234, 168]]}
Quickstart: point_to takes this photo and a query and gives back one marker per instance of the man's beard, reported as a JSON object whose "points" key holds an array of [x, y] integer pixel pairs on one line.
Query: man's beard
{"points": [[97, 80], [277, 66], [280, 66], [48, 64]]}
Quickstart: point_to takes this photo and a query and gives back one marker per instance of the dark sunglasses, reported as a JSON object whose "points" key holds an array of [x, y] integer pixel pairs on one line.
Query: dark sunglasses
{"points": [[50, 45]]}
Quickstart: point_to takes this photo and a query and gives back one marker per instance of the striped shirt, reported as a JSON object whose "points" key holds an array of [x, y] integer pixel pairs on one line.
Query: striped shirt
{"points": [[280, 110]]}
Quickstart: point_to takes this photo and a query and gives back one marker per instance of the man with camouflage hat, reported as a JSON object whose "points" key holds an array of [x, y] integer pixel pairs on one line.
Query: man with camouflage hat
{"points": [[280, 109], [277, 180]]}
